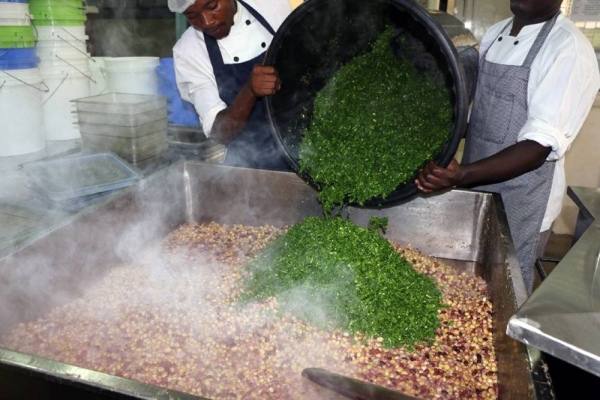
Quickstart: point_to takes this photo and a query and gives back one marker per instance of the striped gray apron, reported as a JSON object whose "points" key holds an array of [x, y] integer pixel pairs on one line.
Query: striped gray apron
{"points": [[499, 113]]}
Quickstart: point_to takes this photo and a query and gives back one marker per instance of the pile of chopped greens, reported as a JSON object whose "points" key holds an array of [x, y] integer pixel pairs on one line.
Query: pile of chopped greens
{"points": [[335, 274], [375, 123]]}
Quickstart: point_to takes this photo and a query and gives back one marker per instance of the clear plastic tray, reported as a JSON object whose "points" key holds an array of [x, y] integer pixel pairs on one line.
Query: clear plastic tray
{"points": [[18, 222], [129, 120], [132, 150], [128, 132], [191, 143], [198, 155], [67, 178], [79, 203], [121, 103], [153, 164]]}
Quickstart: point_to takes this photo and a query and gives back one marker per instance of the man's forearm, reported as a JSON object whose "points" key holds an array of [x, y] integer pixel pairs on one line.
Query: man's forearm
{"points": [[231, 121], [507, 164]]}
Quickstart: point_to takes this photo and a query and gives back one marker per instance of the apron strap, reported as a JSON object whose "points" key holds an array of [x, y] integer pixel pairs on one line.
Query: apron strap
{"points": [[258, 17], [539, 41], [214, 53]]}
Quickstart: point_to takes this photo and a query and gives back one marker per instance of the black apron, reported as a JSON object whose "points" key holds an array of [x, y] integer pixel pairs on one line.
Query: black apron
{"points": [[254, 147]]}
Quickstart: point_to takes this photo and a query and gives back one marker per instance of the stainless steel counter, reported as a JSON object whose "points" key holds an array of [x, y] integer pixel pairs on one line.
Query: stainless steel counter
{"points": [[562, 317]]}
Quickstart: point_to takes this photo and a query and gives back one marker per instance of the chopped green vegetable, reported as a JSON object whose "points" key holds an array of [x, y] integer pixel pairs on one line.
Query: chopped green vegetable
{"points": [[376, 223], [375, 123], [335, 274]]}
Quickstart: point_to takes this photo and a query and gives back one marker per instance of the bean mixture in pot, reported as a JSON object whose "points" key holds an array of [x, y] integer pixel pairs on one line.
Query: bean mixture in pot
{"points": [[173, 320]]}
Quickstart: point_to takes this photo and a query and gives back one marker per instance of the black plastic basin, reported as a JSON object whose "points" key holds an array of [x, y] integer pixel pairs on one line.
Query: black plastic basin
{"points": [[320, 36]]}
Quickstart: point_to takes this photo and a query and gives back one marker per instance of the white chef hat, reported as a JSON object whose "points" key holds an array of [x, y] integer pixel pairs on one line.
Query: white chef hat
{"points": [[180, 5]]}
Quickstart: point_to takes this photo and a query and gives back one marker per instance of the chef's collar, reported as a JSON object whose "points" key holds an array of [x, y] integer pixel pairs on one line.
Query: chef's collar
{"points": [[533, 28], [242, 16]]}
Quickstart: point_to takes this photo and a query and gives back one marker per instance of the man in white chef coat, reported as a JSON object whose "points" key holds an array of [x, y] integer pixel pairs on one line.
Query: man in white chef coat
{"points": [[218, 66], [538, 78]]}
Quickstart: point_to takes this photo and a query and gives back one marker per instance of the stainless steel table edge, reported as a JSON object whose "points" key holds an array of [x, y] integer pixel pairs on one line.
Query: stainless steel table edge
{"points": [[562, 317], [93, 381]]}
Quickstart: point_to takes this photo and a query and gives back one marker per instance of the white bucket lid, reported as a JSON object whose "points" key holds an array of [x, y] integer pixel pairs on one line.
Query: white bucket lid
{"points": [[14, 8], [17, 21], [79, 47], [109, 71], [14, 77], [60, 75], [66, 32], [62, 40], [66, 59], [49, 67], [51, 53], [65, 50], [125, 63]]}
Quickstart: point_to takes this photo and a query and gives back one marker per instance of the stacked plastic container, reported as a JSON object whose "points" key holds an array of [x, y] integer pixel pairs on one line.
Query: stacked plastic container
{"points": [[21, 87], [62, 50], [73, 183], [133, 126]]}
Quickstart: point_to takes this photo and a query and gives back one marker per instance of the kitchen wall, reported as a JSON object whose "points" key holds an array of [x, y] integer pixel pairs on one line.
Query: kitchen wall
{"points": [[123, 36], [479, 15], [582, 167]]}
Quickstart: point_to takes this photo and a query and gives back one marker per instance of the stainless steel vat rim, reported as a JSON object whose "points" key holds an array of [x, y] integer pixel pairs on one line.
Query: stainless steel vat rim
{"points": [[77, 376], [562, 317]]}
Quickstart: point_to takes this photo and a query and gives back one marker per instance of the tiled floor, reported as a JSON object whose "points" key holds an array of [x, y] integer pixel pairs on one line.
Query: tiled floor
{"points": [[569, 382]]}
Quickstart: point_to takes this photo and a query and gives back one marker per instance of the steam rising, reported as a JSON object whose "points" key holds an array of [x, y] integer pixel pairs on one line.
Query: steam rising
{"points": [[169, 319]]}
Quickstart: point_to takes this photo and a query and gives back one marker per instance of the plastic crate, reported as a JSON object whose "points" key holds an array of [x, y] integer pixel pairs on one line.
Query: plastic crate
{"points": [[129, 120], [133, 150], [129, 132], [121, 103], [71, 177]]}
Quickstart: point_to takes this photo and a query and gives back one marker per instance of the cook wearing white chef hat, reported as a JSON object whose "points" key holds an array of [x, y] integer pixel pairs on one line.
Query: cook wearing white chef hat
{"points": [[218, 65]]}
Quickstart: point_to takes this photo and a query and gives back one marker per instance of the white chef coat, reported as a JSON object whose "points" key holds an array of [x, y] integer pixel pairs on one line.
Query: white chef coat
{"points": [[246, 40], [563, 85]]}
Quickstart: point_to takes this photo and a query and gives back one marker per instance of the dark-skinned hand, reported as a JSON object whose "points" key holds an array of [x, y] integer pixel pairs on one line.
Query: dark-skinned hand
{"points": [[264, 81], [433, 178]]}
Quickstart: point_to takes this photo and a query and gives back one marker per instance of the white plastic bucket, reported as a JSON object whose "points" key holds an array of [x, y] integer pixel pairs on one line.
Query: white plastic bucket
{"points": [[64, 58], [64, 62], [96, 66], [132, 75], [59, 112], [68, 62], [15, 10], [50, 48], [65, 32], [62, 42], [21, 112], [8, 20]]}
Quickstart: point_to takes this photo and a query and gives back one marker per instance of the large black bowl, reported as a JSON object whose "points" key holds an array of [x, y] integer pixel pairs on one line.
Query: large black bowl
{"points": [[320, 36]]}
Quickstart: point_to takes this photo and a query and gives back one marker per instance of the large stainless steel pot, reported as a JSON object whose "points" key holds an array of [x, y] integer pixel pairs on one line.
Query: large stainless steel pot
{"points": [[468, 229]]}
